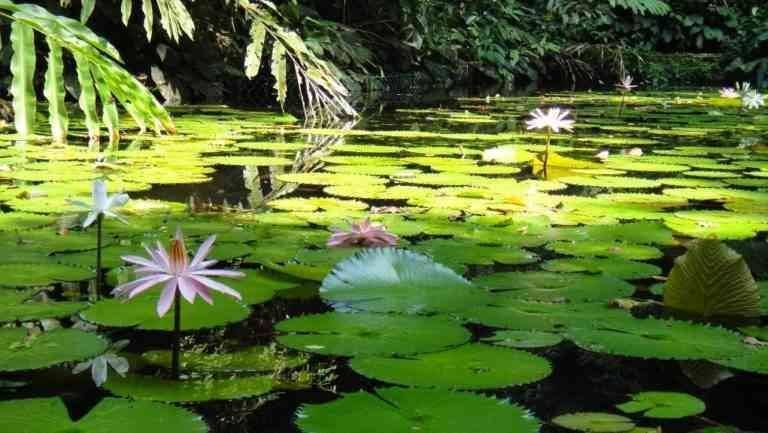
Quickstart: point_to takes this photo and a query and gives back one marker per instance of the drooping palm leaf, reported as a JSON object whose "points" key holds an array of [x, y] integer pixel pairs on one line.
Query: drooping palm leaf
{"points": [[88, 48], [55, 93], [23, 64]]}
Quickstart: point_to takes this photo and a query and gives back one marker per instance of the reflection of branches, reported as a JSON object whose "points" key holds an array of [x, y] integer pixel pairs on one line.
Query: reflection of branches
{"points": [[306, 161]]}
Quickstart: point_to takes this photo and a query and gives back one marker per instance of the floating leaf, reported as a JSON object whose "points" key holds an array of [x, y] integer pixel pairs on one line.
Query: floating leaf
{"points": [[398, 410], [206, 389], [391, 280], [524, 339], [370, 334], [664, 405], [472, 366], [18, 351], [594, 422], [111, 415], [252, 359]]}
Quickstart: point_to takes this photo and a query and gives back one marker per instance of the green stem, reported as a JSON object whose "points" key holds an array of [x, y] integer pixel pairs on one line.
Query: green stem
{"points": [[176, 354], [99, 276], [621, 105], [546, 149]]}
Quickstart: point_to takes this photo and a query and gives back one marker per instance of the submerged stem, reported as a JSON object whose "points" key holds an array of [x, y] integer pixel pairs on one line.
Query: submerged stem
{"points": [[176, 349]]}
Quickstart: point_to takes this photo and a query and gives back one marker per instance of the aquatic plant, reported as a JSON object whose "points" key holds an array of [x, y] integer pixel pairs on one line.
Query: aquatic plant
{"points": [[102, 205], [710, 281], [362, 233], [99, 365], [752, 100], [594, 422], [181, 278], [729, 93], [624, 87], [742, 88], [664, 405], [553, 120]]}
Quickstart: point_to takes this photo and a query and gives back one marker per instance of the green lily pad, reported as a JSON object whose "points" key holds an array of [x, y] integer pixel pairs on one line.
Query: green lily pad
{"points": [[594, 422], [622, 250], [111, 415], [398, 410], [370, 334], [472, 366], [616, 267], [140, 387], [141, 312], [16, 306], [42, 274], [330, 179], [391, 280], [524, 339], [661, 339], [20, 352], [664, 405]]}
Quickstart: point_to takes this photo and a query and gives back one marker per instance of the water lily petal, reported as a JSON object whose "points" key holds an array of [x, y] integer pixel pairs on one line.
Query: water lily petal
{"points": [[99, 371], [219, 273], [219, 287], [90, 219], [118, 363], [117, 200], [166, 298], [99, 195], [81, 367], [188, 291], [203, 251]]}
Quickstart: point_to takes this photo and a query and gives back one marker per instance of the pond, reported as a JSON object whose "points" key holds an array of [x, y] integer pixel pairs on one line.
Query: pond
{"points": [[522, 297]]}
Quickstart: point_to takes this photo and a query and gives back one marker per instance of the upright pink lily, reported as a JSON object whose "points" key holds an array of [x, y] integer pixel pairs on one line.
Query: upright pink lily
{"points": [[364, 234], [178, 274]]}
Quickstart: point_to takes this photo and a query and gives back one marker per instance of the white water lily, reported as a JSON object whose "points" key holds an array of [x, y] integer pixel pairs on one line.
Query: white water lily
{"points": [[729, 93], [753, 100], [100, 365], [102, 204], [625, 85], [553, 120]]}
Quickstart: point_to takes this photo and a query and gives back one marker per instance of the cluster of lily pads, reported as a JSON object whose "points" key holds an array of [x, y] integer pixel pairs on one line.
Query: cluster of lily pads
{"points": [[474, 222]]}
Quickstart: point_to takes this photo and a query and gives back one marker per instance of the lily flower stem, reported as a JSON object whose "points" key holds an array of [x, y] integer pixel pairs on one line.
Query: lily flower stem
{"points": [[99, 276], [176, 349], [546, 148]]}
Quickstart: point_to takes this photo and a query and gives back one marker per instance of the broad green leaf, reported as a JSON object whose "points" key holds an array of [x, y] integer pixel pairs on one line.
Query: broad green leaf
{"points": [[111, 415], [55, 93], [109, 115], [20, 352], [664, 405], [398, 410], [23, 62], [712, 280], [594, 422]]}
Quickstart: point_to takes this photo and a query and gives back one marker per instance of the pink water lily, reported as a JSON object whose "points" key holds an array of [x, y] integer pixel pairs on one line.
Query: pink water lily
{"points": [[177, 273], [363, 233]]}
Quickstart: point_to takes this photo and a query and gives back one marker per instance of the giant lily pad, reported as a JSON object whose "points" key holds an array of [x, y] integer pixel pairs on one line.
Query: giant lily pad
{"points": [[252, 359], [370, 334], [662, 339], [111, 415], [41, 274], [18, 351], [398, 410], [391, 280], [141, 312], [472, 366], [17, 306], [595, 422]]}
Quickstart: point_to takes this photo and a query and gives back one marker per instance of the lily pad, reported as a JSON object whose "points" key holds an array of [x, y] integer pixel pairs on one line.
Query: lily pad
{"points": [[398, 410], [391, 280], [664, 405], [595, 422], [370, 334], [253, 359], [524, 339], [41, 274], [19, 352], [141, 312], [472, 366], [111, 415], [616, 267]]}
